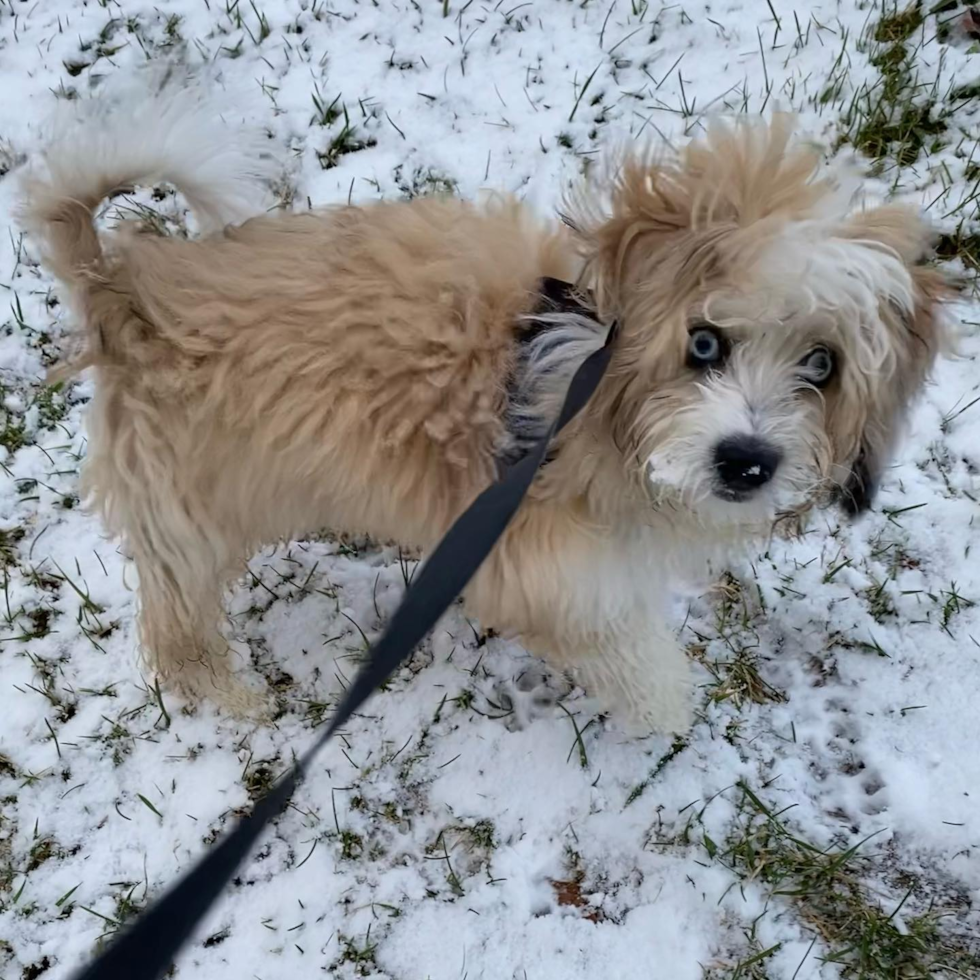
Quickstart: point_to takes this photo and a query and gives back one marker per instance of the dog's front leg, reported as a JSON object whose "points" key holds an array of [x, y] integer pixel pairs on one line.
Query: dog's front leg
{"points": [[636, 670], [573, 599]]}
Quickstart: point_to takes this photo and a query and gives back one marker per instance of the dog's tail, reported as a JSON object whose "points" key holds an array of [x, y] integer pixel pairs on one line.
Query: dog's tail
{"points": [[107, 145]]}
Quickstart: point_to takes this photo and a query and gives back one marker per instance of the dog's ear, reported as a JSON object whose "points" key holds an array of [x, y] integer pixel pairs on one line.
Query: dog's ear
{"points": [[917, 336], [630, 216], [623, 218]]}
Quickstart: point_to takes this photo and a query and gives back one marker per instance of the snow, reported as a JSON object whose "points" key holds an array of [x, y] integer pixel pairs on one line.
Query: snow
{"points": [[428, 840]]}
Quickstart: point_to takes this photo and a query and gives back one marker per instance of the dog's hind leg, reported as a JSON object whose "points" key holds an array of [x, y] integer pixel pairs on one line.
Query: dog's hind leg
{"points": [[183, 565]]}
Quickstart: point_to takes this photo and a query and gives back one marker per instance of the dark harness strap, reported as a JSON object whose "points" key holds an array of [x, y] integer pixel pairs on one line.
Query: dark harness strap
{"points": [[147, 950], [557, 296]]}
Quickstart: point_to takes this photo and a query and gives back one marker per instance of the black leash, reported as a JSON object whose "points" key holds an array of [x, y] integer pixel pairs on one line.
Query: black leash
{"points": [[147, 950]]}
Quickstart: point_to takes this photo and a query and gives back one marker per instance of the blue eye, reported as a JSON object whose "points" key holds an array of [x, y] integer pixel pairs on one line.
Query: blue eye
{"points": [[818, 366], [705, 347]]}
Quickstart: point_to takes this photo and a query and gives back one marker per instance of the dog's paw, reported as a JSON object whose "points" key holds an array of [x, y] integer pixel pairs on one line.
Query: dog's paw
{"points": [[240, 699], [639, 706], [639, 719], [241, 694]]}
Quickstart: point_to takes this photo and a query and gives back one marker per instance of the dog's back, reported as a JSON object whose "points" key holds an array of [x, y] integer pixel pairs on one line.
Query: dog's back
{"points": [[383, 336], [345, 368]]}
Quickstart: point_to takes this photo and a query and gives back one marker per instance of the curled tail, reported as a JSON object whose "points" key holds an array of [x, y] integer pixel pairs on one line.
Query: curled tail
{"points": [[107, 145]]}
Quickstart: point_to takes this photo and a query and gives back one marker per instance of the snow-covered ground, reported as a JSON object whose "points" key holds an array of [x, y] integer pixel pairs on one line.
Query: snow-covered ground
{"points": [[823, 817]]}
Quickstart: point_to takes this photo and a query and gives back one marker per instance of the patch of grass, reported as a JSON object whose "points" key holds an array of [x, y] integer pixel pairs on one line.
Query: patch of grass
{"points": [[118, 738], [13, 433], [579, 742], [465, 698], [893, 126], [962, 245], [166, 222], [424, 182], [52, 406], [899, 25], [171, 31], [752, 965], [48, 673], [735, 610], [344, 142], [890, 59], [965, 93], [735, 674], [125, 907], [582, 91], [326, 113], [483, 834], [351, 845], [897, 117], [259, 778], [466, 849], [9, 539], [677, 746], [867, 941], [360, 955], [891, 551], [952, 604], [880, 604], [41, 851], [736, 678], [263, 30], [438, 850]]}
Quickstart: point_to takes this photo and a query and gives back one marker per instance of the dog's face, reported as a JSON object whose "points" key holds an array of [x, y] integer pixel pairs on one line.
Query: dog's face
{"points": [[770, 344]]}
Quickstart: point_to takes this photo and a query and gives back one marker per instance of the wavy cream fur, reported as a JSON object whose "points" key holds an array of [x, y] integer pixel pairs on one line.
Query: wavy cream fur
{"points": [[350, 368]]}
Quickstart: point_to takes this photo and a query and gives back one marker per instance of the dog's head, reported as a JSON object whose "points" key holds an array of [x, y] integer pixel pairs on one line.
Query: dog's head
{"points": [[771, 340]]}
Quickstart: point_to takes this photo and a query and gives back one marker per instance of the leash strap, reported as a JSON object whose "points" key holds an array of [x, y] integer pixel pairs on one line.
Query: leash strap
{"points": [[147, 950]]}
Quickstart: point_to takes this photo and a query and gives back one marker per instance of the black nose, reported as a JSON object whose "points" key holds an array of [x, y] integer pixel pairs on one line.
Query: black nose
{"points": [[743, 464]]}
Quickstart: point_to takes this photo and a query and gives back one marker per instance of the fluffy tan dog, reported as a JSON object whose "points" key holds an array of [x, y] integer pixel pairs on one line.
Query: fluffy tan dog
{"points": [[365, 368]]}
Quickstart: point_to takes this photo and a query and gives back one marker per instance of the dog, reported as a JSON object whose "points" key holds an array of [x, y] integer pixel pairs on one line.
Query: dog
{"points": [[366, 368]]}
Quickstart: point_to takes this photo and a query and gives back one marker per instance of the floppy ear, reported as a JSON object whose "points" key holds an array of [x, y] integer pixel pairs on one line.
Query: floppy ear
{"points": [[917, 336]]}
